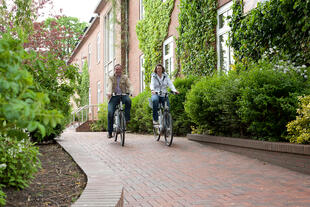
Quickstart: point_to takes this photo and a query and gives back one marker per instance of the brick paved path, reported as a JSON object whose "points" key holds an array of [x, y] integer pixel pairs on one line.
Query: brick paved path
{"points": [[192, 174]]}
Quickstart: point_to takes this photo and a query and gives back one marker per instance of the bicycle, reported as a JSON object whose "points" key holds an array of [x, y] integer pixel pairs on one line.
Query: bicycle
{"points": [[165, 122], [119, 122]]}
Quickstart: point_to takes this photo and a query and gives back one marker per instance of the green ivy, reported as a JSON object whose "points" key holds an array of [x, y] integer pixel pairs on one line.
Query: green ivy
{"points": [[196, 46], [276, 28], [152, 31]]}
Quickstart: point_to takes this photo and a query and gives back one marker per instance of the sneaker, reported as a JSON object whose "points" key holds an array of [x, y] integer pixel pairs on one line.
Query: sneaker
{"points": [[155, 123], [109, 135]]}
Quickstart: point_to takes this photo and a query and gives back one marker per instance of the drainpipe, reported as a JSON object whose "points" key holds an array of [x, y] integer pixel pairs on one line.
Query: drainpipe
{"points": [[126, 35]]}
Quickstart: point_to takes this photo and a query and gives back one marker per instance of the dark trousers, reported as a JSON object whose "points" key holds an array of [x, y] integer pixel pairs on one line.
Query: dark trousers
{"points": [[112, 107], [156, 99]]}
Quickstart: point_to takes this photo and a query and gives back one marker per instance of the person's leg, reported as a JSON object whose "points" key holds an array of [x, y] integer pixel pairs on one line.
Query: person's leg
{"points": [[155, 100], [111, 109], [127, 101]]}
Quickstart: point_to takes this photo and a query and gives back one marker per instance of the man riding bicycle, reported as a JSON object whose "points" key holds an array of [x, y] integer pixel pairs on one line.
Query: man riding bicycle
{"points": [[160, 81], [118, 84]]}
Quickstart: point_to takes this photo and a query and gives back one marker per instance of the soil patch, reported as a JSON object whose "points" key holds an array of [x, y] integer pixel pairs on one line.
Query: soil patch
{"points": [[59, 183]]}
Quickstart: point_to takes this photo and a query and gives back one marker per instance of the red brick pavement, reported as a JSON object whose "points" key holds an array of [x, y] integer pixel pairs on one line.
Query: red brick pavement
{"points": [[192, 174]]}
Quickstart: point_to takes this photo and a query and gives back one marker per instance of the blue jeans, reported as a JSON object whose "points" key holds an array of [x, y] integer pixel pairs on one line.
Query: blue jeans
{"points": [[112, 107], [156, 99]]}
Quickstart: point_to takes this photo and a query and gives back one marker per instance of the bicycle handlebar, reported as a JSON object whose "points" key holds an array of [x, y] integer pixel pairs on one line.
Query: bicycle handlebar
{"points": [[167, 93], [121, 94]]}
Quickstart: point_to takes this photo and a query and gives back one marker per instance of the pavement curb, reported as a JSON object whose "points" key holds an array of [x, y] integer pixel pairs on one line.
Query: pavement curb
{"points": [[103, 188], [292, 156]]}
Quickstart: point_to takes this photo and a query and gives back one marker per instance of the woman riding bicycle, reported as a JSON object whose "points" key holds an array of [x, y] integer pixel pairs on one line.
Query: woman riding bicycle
{"points": [[160, 81]]}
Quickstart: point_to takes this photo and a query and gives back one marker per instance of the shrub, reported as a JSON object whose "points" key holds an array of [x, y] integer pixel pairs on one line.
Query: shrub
{"points": [[181, 122], [102, 123], [211, 105], [299, 129], [141, 114], [268, 99], [21, 161]]}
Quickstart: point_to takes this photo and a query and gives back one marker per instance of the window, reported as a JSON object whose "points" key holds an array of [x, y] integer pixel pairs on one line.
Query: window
{"points": [[89, 96], [168, 55], [141, 9], [224, 51], [109, 57], [98, 47], [89, 56], [142, 73], [99, 93]]}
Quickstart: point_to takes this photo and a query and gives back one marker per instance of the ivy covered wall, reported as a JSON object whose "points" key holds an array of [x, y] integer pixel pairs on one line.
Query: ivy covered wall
{"points": [[196, 46], [152, 31], [276, 28]]}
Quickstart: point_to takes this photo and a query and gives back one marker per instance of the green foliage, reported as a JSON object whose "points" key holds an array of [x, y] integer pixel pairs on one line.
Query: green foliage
{"points": [[2, 197], [197, 37], [21, 161], [255, 103], [211, 105], [102, 123], [57, 79], [152, 31], [141, 114], [21, 107], [83, 87], [70, 27], [276, 27], [299, 129], [181, 122], [268, 99]]}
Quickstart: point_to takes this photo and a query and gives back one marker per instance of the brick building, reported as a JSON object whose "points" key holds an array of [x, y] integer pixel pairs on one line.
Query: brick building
{"points": [[106, 43]]}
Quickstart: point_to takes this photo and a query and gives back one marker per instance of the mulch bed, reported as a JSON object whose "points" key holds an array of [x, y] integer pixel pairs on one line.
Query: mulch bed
{"points": [[59, 183]]}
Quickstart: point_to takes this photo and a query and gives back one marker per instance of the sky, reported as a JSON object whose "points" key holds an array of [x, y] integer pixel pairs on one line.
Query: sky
{"points": [[83, 9]]}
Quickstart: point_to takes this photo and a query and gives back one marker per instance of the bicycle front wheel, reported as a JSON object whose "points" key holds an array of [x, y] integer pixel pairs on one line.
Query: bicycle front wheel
{"points": [[168, 129], [122, 128]]}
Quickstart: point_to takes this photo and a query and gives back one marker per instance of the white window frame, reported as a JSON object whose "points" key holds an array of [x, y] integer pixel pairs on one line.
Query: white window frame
{"points": [[109, 47], [99, 101], [141, 10], [142, 73], [98, 47], [221, 31], [89, 96], [89, 56], [169, 41]]}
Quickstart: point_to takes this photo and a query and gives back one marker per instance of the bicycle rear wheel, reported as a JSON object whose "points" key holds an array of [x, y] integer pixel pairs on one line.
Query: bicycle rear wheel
{"points": [[122, 128], [168, 129]]}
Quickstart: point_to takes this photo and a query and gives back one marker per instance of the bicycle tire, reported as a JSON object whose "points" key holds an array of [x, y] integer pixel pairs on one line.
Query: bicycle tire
{"points": [[168, 129], [122, 128], [115, 124]]}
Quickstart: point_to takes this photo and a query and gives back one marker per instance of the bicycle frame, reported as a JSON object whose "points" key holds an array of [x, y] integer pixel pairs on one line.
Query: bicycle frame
{"points": [[165, 123], [119, 123]]}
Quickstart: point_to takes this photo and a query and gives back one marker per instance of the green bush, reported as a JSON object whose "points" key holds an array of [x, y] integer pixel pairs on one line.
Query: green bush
{"points": [[299, 129], [211, 105], [181, 122], [268, 99], [21, 161], [141, 114], [102, 123]]}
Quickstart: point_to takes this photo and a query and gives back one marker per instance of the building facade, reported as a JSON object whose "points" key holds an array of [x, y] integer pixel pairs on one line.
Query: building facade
{"points": [[109, 41]]}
